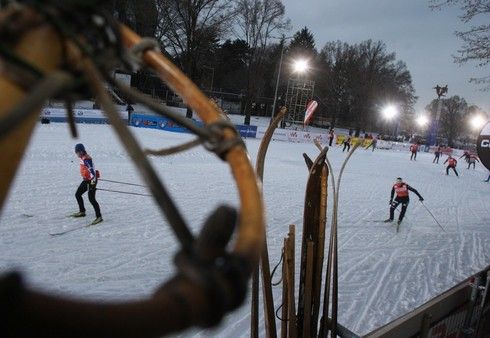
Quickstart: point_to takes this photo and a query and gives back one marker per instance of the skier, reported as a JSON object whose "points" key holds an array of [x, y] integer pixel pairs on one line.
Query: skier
{"points": [[472, 160], [373, 143], [347, 143], [331, 136], [89, 176], [437, 154], [451, 163], [466, 156], [401, 189], [414, 148]]}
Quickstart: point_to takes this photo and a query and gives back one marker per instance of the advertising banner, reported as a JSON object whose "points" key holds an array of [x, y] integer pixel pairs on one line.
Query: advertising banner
{"points": [[81, 115], [163, 123]]}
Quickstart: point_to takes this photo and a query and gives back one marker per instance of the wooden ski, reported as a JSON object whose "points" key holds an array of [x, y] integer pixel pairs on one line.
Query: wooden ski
{"points": [[331, 282], [308, 161], [270, 321], [313, 228]]}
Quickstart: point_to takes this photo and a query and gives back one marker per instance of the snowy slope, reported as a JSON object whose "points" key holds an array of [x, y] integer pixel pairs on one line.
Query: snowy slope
{"points": [[382, 275]]}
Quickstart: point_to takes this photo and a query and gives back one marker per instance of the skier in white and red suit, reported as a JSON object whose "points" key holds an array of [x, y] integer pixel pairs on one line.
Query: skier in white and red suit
{"points": [[401, 189], [451, 164]]}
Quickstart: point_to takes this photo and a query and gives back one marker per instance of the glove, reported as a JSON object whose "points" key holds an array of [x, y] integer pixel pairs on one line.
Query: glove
{"points": [[390, 202], [421, 199], [92, 183]]}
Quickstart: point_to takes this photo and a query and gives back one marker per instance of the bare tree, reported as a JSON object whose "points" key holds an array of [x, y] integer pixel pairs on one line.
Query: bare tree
{"points": [[140, 15], [256, 21], [360, 79], [476, 40], [452, 117], [188, 29]]}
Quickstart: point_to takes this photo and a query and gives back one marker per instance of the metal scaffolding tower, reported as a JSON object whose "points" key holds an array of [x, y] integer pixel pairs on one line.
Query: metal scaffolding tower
{"points": [[298, 94]]}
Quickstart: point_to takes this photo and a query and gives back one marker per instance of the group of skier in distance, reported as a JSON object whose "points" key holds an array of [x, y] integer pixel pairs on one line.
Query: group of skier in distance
{"points": [[399, 194]]}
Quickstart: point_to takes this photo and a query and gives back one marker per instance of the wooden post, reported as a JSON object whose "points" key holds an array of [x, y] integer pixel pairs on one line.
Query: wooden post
{"points": [[285, 287], [290, 262], [308, 292]]}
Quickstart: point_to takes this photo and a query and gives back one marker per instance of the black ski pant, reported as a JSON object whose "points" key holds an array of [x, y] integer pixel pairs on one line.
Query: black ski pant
{"points": [[346, 145], [454, 169], [414, 156], [82, 188], [330, 140], [436, 158], [404, 202]]}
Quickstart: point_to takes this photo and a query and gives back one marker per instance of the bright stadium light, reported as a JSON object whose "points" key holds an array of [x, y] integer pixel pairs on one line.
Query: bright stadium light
{"points": [[389, 112], [300, 66], [422, 120], [477, 122]]}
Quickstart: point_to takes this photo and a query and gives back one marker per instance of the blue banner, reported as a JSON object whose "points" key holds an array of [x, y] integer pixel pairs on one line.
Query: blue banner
{"points": [[246, 131], [158, 122], [163, 123]]}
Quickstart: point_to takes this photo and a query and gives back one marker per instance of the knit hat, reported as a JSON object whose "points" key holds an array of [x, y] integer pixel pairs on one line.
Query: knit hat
{"points": [[79, 148]]}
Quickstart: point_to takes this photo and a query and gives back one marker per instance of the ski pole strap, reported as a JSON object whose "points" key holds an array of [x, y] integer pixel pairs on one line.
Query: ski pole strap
{"points": [[173, 150], [217, 142], [275, 269]]}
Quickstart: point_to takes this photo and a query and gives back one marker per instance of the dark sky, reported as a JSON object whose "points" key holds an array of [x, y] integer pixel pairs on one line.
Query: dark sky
{"points": [[422, 38]]}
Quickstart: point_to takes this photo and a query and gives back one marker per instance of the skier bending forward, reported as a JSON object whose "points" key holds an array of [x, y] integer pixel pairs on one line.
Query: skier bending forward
{"points": [[401, 189]]}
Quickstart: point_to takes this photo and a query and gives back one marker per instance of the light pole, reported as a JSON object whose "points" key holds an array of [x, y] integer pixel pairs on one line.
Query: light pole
{"points": [[389, 113], [433, 132], [278, 76]]}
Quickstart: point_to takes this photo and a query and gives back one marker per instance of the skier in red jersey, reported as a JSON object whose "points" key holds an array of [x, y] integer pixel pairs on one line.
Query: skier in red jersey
{"points": [[401, 189], [451, 164], [89, 176], [414, 148]]}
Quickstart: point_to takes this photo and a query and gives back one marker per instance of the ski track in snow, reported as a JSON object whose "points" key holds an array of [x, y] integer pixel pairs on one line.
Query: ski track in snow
{"points": [[382, 275]]}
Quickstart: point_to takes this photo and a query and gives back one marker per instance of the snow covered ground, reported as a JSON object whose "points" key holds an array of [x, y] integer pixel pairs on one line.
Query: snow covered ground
{"points": [[382, 275]]}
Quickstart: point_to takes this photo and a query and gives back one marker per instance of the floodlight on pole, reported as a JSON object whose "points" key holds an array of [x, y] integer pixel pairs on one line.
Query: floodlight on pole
{"points": [[300, 66], [477, 122], [389, 112], [422, 120]]}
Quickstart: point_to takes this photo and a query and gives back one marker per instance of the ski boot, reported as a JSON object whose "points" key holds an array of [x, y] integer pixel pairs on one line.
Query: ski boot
{"points": [[389, 220], [96, 221], [398, 225], [78, 214]]}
